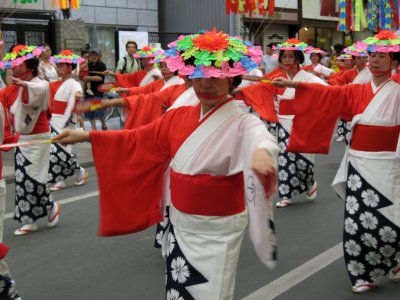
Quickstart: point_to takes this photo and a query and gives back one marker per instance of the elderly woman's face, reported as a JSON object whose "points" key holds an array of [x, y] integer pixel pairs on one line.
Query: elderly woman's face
{"points": [[211, 90]]}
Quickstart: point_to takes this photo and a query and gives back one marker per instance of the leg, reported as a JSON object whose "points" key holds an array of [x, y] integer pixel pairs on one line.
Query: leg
{"points": [[93, 123], [103, 123]]}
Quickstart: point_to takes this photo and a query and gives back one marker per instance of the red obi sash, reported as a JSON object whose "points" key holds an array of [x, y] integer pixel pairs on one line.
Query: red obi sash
{"points": [[373, 138], [208, 195], [286, 107], [59, 107]]}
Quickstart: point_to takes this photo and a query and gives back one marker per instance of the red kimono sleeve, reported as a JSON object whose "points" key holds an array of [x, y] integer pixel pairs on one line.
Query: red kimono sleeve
{"points": [[343, 78], [129, 80], [130, 165], [152, 87], [273, 73], [317, 108], [3, 250], [261, 97], [144, 109]]}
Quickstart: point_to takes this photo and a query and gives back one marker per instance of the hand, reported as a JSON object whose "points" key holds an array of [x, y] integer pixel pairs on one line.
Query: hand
{"points": [[283, 82], [108, 72], [121, 90], [17, 81], [87, 106], [262, 162], [78, 96], [68, 137]]}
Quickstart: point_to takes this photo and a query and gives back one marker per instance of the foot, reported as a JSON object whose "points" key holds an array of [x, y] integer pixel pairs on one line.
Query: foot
{"points": [[394, 274], [26, 229], [104, 127], [58, 186], [89, 92], [340, 139], [312, 192], [363, 288], [284, 203], [54, 215], [82, 177]]}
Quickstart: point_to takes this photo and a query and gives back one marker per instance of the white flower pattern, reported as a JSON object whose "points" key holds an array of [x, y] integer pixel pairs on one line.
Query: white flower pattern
{"points": [[180, 271]]}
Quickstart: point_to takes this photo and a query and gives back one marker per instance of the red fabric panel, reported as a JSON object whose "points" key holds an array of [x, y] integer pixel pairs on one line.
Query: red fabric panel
{"points": [[152, 87], [130, 80], [3, 250], [286, 107], [325, 7], [59, 107], [375, 138], [261, 97], [207, 195], [54, 86]]}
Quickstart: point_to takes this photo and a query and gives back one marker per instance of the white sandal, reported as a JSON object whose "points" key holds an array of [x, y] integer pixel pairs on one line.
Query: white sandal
{"points": [[26, 229], [312, 192], [394, 274], [284, 203], [54, 215], [363, 288]]}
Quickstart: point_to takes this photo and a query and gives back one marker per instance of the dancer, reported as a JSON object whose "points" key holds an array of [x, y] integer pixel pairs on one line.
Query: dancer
{"points": [[216, 151], [63, 93], [296, 170], [368, 178], [27, 101]]}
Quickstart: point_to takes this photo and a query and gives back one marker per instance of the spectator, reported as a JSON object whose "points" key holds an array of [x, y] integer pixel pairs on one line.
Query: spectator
{"points": [[128, 64], [269, 63], [95, 65], [47, 69]]}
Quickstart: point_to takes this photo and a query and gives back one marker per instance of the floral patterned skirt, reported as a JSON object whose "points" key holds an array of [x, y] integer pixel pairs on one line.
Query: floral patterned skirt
{"points": [[343, 130], [32, 195], [202, 254], [8, 290], [296, 172], [371, 241], [63, 163]]}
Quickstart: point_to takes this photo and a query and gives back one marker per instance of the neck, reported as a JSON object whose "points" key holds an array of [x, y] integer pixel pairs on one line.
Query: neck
{"points": [[168, 78], [209, 106], [292, 73], [360, 68], [378, 80], [148, 68], [65, 77]]}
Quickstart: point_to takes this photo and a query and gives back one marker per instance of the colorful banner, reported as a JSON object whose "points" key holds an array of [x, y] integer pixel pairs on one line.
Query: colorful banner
{"points": [[379, 14], [250, 6]]}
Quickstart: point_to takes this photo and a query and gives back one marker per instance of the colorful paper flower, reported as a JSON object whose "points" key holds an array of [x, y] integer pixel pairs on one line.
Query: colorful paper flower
{"points": [[66, 56], [19, 54], [292, 44], [146, 52], [211, 51], [384, 41], [211, 41]]}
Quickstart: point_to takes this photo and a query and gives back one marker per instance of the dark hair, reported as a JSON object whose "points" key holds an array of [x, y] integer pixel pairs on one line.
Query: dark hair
{"points": [[299, 56], [32, 64], [338, 47], [130, 42], [396, 56], [85, 51], [318, 54], [45, 45], [271, 45]]}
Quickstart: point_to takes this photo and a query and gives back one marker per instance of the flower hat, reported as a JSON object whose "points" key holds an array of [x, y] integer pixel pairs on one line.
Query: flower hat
{"points": [[344, 56], [68, 57], [292, 44], [19, 54], [211, 52], [357, 49], [384, 41], [311, 50], [160, 57], [147, 52]]}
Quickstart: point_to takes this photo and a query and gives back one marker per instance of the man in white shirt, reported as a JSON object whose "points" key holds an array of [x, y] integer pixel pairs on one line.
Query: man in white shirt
{"points": [[128, 64], [269, 63]]}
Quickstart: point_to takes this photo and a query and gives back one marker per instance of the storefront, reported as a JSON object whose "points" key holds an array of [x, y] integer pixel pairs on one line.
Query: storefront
{"points": [[273, 29], [319, 27]]}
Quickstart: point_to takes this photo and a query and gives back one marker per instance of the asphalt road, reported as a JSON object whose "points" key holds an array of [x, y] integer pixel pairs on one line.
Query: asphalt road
{"points": [[71, 262]]}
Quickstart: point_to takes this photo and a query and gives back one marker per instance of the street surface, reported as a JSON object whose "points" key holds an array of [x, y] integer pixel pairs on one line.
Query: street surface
{"points": [[71, 262]]}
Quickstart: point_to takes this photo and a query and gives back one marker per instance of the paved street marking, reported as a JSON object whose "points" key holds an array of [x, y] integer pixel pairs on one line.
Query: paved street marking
{"points": [[301, 273], [65, 201]]}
